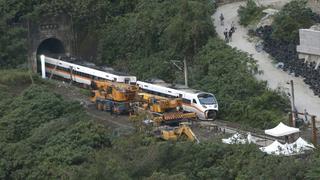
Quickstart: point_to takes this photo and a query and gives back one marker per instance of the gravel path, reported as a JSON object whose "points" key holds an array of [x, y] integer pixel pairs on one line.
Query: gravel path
{"points": [[276, 78]]}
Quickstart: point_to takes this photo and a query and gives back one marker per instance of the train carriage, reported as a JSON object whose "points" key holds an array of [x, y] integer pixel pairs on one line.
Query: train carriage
{"points": [[203, 104], [82, 74]]}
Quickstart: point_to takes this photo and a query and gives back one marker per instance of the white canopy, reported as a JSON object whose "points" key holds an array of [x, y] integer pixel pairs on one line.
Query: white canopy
{"points": [[274, 148], [281, 130], [298, 147]]}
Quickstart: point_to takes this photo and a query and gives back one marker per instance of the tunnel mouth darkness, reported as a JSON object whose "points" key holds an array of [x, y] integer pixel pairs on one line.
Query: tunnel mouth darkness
{"points": [[51, 47]]}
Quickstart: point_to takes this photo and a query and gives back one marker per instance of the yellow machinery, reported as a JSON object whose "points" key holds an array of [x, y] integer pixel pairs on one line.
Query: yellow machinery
{"points": [[114, 91], [160, 104], [112, 96], [165, 109], [173, 134]]}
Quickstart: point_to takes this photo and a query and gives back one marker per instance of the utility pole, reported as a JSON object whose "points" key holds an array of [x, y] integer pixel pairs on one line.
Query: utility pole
{"points": [[293, 105], [178, 65], [314, 130], [185, 72]]}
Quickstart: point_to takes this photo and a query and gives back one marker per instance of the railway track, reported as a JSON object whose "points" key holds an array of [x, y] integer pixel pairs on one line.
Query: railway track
{"points": [[226, 127]]}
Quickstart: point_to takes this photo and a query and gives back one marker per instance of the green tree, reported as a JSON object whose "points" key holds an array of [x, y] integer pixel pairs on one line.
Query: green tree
{"points": [[250, 13], [293, 16]]}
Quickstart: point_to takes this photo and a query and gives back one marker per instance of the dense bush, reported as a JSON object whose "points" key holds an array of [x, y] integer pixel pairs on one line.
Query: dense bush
{"points": [[208, 160], [12, 77], [292, 17], [155, 33], [41, 135], [250, 13]]}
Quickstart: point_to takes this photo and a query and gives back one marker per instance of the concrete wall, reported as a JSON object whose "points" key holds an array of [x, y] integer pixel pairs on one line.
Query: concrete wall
{"points": [[309, 48]]}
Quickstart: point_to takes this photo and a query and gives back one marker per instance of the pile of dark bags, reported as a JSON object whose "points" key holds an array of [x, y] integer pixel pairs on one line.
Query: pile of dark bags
{"points": [[286, 53]]}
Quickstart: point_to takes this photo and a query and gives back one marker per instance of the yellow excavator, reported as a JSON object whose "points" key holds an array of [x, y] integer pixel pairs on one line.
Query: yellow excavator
{"points": [[174, 133]]}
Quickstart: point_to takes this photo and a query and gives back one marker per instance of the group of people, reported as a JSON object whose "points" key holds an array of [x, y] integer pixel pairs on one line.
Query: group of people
{"points": [[227, 33]]}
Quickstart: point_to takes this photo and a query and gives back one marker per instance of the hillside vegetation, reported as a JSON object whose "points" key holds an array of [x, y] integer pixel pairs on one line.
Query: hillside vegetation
{"points": [[43, 136]]}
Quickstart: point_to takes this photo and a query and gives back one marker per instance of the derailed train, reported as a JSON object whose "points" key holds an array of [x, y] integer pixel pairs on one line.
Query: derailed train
{"points": [[203, 104]]}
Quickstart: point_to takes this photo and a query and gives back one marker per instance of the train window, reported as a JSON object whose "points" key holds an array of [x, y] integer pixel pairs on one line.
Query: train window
{"points": [[194, 101], [187, 101], [126, 80]]}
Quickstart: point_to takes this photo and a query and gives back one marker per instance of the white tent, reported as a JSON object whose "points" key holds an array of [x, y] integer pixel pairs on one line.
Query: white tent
{"points": [[274, 148], [281, 130], [235, 139], [298, 147]]}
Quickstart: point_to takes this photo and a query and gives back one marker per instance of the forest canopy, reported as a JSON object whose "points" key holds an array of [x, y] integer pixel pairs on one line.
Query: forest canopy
{"points": [[43, 135]]}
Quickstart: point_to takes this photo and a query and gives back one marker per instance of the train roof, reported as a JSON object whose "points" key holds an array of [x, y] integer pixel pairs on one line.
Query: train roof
{"points": [[88, 64], [104, 69], [179, 87]]}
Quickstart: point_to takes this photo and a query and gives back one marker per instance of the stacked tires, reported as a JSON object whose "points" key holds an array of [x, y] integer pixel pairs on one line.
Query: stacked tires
{"points": [[287, 54]]}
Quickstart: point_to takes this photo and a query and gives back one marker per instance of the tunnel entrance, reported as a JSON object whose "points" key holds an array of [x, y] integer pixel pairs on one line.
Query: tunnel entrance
{"points": [[51, 47]]}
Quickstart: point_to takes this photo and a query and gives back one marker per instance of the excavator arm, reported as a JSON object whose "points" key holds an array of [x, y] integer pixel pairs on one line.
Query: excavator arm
{"points": [[175, 134], [185, 130]]}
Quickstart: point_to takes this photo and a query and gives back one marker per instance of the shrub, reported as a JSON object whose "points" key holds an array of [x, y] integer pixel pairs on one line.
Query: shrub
{"points": [[250, 13], [14, 77], [294, 16]]}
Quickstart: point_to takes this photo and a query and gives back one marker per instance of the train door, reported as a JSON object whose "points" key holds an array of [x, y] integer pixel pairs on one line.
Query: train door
{"points": [[197, 108], [127, 80]]}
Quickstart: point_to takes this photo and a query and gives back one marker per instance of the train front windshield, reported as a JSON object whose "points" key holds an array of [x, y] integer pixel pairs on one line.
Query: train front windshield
{"points": [[207, 99]]}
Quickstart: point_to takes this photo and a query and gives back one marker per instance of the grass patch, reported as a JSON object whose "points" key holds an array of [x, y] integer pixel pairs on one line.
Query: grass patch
{"points": [[15, 77]]}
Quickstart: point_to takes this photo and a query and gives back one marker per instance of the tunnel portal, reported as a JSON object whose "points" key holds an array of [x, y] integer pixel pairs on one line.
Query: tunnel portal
{"points": [[51, 47]]}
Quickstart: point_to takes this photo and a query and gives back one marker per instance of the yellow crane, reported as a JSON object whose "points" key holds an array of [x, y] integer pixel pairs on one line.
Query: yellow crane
{"points": [[112, 96]]}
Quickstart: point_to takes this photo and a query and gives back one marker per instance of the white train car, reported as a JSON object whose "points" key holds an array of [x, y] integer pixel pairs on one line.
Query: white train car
{"points": [[82, 74], [203, 104]]}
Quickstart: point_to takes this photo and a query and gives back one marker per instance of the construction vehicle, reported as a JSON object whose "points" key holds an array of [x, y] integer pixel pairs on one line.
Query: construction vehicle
{"points": [[165, 110], [112, 96], [175, 133]]}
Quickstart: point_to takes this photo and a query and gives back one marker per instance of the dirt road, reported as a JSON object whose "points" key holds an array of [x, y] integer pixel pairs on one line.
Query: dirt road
{"points": [[276, 78]]}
